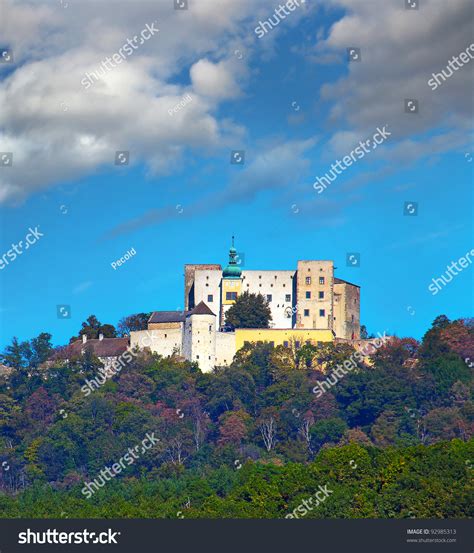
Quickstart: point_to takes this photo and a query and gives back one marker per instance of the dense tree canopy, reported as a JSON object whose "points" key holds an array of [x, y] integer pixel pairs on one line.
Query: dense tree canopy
{"points": [[138, 321], [92, 327], [248, 440], [249, 311]]}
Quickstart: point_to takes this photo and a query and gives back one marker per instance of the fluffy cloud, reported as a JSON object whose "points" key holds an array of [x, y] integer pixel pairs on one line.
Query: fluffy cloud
{"points": [[58, 131], [214, 80], [400, 51]]}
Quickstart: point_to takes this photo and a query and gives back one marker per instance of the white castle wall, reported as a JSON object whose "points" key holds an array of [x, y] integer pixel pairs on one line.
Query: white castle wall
{"points": [[278, 284], [207, 283], [225, 348], [199, 342], [163, 341]]}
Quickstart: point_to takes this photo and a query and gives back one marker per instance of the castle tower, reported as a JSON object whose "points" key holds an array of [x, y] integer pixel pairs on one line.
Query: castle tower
{"points": [[315, 295], [231, 285], [199, 337]]}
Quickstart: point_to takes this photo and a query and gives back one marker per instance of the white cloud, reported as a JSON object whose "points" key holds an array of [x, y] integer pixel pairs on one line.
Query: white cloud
{"points": [[60, 132], [400, 51], [214, 80]]}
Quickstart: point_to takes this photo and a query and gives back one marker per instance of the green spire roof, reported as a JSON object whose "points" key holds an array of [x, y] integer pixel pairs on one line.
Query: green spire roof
{"points": [[232, 270]]}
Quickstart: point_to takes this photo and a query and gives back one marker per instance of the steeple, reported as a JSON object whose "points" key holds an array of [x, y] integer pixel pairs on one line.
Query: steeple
{"points": [[232, 270]]}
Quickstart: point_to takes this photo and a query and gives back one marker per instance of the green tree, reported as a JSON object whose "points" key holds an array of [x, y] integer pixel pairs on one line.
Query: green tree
{"points": [[16, 354], [92, 327], [249, 311], [138, 321], [41, 349], [364, 334]]}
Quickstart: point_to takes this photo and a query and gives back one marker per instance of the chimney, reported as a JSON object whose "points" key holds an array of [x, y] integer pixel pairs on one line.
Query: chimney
{"points": [[101, 336], [84, 338]]}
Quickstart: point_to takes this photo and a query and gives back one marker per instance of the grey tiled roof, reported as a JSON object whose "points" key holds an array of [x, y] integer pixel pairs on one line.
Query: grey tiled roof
{"points": [[168, 317]]}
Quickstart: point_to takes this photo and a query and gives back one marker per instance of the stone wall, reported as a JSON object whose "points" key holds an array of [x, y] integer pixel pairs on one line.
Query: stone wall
{"points": [[190, 297], [199, 342], [164, 341], [225, 348], [309, 314], [278, 285], [347, 310]]}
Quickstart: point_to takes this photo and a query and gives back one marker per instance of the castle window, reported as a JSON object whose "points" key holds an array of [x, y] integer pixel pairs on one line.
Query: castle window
{"points": [[284, 285], [321, 295], [271, 285], [306, 312], [269, 297], [209, 356], [297, 344], [285, 344], [210, 328], [308, 280], [322, 312], [166, 335], [321, 280], [308, 295], [288, 297], [231, 295], [210, 298], [259, 276], [276, 276], [207, 284], [197, 356]]}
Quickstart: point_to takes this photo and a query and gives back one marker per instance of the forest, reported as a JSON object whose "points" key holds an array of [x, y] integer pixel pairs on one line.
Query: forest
{"points": [[391, 439]]}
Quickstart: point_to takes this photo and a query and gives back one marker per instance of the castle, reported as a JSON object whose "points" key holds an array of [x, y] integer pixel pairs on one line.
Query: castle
{"points": [[308, 304]]}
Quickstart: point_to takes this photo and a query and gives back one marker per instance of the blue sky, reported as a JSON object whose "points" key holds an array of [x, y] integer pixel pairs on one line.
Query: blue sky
{"points": [[292, 101]]}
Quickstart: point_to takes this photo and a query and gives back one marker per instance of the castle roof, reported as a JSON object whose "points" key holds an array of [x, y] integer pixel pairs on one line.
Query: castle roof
{"points": [[340, 281], [168, 317], [232, 270], [106, 347], [201, 309]]}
